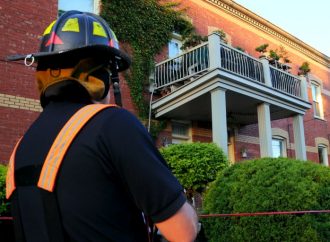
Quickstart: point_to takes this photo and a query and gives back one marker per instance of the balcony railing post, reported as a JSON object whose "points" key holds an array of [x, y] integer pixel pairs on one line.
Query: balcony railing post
{"points": [[214, 50], [266, 71], [303, 86]]}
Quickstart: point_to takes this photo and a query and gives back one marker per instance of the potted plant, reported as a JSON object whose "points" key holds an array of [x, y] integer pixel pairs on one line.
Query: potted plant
{"points": [[304, 69], [262, 49], [240, 49]]}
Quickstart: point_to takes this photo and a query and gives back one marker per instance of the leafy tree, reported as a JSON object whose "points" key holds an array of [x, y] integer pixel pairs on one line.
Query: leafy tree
{"points": [[195, 164], [269, 184]]}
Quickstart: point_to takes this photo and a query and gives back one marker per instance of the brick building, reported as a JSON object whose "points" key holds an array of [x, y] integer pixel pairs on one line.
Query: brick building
{"points": [[270, 110]]}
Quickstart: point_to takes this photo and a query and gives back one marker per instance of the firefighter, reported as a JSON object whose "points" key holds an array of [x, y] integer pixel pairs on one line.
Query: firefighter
{"points": [[86, 170]]}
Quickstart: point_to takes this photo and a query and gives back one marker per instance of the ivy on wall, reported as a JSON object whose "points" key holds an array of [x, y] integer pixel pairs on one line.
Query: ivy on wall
{"points": [[146, 26]]}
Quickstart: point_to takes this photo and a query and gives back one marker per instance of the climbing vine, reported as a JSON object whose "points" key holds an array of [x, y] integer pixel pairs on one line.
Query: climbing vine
{"points": [[146, 27]]}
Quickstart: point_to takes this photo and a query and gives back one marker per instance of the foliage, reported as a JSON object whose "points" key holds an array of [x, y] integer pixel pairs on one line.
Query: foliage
{"points": [[222, 34], [274, 55], [262, 48], [146, 26], [193, 40], [283, 54], [240, 48], [269, 184], [194, 164], [4, 204], [304, 68]]}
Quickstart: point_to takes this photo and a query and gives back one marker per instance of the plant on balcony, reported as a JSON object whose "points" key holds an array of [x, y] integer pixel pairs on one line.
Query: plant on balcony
{"points": [[283, 53], [240, 49], [262, 49], [193, 40], [304, 69], [274, 55], [222, 34]]}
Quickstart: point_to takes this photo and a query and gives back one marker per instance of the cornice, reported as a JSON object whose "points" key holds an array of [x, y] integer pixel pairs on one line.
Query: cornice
{"points": [[262, 24]]}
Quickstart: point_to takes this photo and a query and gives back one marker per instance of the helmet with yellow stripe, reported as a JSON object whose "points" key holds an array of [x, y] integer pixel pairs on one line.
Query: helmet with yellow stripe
{"points": [[78, 47], [77, 35]]}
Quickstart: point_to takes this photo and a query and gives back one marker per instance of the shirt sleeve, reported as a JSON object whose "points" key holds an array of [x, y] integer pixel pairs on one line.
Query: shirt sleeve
{"points": [[141, 168]]}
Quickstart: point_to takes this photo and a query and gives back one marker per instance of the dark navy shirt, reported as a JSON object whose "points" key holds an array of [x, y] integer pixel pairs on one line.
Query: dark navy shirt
{"points": [[111, 173]]}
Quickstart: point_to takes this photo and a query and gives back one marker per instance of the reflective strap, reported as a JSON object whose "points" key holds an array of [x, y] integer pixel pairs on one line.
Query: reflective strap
{"points": [[63, 141], [10, 178]]}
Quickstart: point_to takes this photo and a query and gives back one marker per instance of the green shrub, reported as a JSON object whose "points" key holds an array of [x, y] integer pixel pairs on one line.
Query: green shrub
{"points": [[4, 204], [269, 184], [194, 164]]}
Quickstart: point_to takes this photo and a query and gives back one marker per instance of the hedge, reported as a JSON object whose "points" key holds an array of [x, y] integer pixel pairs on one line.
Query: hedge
{"points": [[195, 164], [269, 184], [4, 204]]}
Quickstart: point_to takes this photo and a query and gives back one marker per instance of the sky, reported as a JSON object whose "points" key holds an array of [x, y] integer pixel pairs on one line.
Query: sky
{"points": [[307, 20]]}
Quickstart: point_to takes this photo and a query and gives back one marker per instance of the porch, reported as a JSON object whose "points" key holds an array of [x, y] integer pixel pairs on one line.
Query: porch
{"points": [[214, 79]]}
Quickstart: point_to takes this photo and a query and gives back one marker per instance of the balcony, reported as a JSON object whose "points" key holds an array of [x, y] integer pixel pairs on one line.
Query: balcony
{"points": [[216, 83], [186, 80]]}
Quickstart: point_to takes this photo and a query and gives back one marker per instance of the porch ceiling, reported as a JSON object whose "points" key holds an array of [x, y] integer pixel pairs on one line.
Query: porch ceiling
{"points": [[241, 109]]}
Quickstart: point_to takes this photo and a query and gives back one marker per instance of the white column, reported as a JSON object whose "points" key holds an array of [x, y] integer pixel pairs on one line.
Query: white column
{"points": [[303, 86], [266, 69], [214, 51], [299, 137], [219, 119], [265, 130]]}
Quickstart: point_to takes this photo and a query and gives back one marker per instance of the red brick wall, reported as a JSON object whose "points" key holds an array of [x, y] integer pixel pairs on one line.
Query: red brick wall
{"points": [[21, 24]]}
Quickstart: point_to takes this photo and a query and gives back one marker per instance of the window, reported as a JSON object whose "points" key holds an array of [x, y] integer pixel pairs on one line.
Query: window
{"points": [[317, 100], [180, 132], [81, 5], [278, 147], [174, 47], [323, 155]]}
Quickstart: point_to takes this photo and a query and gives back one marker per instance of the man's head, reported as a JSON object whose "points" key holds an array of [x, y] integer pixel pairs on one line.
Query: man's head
{"points": [[78, 47]]}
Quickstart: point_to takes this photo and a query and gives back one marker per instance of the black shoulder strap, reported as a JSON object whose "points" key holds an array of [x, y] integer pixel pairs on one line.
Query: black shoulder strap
{"points": [[35, 211]]}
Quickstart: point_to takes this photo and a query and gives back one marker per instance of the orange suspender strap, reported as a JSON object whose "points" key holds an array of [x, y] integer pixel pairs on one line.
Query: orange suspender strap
{"points": [[63, 141], [58, 149], [10, 178]]}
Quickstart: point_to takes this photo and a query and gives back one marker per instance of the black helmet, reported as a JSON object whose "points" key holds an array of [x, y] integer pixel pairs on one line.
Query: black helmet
{"points": [[77, 35]]}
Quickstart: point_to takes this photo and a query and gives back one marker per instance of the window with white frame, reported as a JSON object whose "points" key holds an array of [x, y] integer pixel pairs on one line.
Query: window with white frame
{"points": [[317, 100], [180, 132], [278, 147], [81, 5], [323, 154]]}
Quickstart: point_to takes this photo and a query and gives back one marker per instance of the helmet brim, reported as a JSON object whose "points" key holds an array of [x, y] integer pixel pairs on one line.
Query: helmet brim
{"points": [[90, 51]]}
